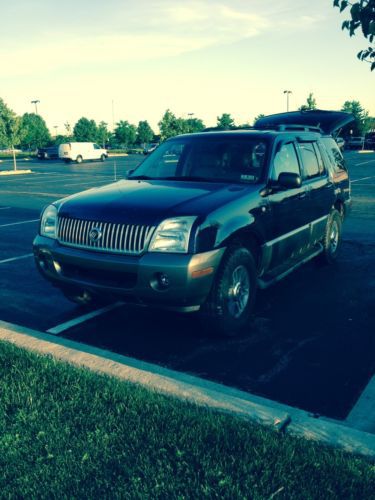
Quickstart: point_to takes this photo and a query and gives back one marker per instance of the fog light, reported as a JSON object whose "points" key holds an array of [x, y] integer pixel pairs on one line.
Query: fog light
{"points": [[163, 280], [57, 267]]}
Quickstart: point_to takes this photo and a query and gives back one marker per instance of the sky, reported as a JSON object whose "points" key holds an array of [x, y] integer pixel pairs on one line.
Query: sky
{"points": [[133, 59]]}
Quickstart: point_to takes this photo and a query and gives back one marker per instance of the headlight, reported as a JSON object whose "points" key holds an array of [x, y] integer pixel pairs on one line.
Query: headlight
{"points": [[48, 223], [172, 235]]}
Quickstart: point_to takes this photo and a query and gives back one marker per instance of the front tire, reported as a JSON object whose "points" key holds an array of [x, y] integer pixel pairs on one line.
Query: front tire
{"points": [[103, 158], [332, 239], [232, 296]]}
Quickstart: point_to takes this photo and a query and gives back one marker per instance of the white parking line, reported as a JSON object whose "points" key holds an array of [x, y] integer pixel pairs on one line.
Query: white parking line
{"points": [[5, 208], [12, 259], [363, 179], [362, 415], [81, 319], [17, 223], [363, 162]]}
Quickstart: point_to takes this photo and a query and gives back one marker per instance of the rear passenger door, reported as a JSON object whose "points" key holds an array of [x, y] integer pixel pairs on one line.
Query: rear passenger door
{"points": [[321, 192]]}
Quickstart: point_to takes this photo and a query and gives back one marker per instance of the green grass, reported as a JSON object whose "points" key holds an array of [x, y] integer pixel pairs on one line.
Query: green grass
{"points": [[9, 156], [69, 433]]}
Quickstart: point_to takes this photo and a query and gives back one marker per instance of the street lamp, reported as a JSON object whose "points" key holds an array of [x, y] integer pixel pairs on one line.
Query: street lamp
{"points": [[287, 92], [35, 102]]}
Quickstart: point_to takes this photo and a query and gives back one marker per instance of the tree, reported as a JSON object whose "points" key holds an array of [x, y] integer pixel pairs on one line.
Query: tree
{"points": [[35, 133], [258, 117], [85, 130], [145, 133], [310, 103], [362, 14], [193, 125], [169, 125], [362, 121], [225, 122], [10, 129], [102, 135], [125, 133]]}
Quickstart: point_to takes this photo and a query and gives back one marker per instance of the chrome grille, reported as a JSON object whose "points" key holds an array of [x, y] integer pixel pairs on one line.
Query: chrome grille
{"points": [[114, 238]]}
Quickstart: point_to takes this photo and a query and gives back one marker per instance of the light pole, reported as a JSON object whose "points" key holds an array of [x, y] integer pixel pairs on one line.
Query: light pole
{"points": [[55, 127], [287, 92], [35, 102]]}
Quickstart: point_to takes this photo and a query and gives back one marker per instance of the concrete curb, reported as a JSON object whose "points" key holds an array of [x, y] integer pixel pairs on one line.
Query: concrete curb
{"points": [[15, 172], [193, 389]]}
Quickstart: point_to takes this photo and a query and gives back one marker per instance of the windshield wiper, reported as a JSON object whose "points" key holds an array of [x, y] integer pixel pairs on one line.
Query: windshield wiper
{"points": [[139, 178], [193, 178]]}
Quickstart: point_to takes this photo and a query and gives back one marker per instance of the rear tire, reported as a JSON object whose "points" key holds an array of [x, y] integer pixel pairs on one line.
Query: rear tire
{"points": [[232, 296], [79, 159], [332, 239]]}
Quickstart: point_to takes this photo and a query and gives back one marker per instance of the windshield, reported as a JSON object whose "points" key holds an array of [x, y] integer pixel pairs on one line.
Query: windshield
{"points": [[217, 159]]}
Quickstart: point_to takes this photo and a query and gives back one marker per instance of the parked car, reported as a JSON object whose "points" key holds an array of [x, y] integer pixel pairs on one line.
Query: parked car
{"points": [[370, 140], [48, 153], [81, 151], [356, 142], [205, 221]]}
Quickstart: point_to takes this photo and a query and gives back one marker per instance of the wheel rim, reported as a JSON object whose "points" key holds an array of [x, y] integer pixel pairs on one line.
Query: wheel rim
{"points": [[334, 237], [238, 292]]}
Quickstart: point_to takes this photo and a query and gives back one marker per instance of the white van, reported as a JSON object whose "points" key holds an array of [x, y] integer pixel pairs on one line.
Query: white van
{"points": [[80, 151]]}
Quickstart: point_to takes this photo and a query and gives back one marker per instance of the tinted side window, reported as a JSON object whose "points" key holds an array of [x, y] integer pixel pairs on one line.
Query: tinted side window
{"points": [[334, 155], [309, 160], [285, 161]]}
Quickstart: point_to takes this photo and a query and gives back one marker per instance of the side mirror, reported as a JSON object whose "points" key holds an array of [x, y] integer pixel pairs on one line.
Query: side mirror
{"points": [[129, 172], [289, 181]]}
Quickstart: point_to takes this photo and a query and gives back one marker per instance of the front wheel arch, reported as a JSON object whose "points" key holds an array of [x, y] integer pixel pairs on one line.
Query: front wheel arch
{"points": [[232, 296]]}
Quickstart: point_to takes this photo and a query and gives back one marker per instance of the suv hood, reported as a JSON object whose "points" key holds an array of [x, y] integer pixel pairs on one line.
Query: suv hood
{"points": [[328, 121], [149, 202]]}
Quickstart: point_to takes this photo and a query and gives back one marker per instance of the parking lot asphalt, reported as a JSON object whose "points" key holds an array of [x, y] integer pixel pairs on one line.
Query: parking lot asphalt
{"points": [[310, 344]]}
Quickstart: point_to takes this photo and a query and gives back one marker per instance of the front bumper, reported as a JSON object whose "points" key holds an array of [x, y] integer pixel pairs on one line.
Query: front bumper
{"points": [[132, 278]]}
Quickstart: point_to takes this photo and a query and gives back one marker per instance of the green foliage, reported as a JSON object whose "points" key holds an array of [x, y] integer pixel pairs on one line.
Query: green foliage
{"points": [[35, 133], [125, 133], [145, 133], [193, 125], [362, 15], [310, 103], [362, 121], [225, 122], [171, 126], [258, 117], [85, 130], [102, 135], [10, 127], [70, 433]]}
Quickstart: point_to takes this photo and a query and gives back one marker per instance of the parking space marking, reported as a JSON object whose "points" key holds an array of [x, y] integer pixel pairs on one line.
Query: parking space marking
{"points": [[12, 259], [363, 179], [18, 223], [81, 319], [5, 208], [362, 415], [364, 162]]}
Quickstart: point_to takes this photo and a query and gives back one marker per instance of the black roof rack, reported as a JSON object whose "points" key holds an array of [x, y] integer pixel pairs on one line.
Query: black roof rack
{"points": [[291, 126], [218, 129]]}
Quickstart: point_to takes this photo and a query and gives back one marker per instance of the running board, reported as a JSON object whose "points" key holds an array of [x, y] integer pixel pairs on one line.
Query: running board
{"points": [[268, 280]]}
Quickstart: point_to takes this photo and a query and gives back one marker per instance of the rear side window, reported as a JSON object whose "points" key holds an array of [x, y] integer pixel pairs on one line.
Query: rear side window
{"points": [[333, 153], [310, 161], [285, 161]]}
